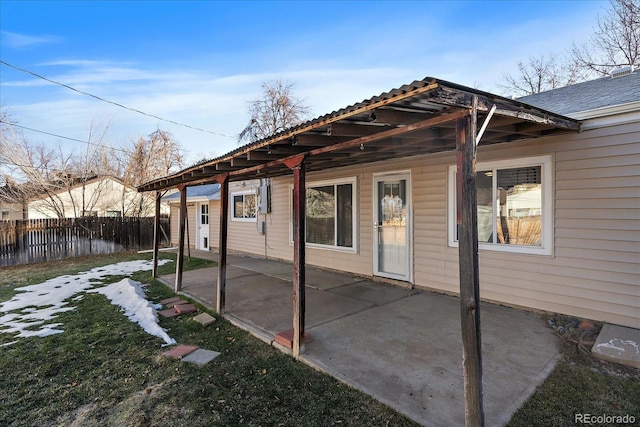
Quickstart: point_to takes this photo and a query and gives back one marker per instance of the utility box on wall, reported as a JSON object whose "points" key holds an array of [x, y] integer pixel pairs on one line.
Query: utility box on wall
{"points": [[264, 199]]}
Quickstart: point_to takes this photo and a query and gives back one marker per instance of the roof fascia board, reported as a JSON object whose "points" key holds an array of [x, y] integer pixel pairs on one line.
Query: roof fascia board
{"points": [[190, 199], [607, 111], [611, 120]]}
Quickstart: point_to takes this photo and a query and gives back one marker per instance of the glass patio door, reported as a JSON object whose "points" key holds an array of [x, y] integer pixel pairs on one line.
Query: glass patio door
{"points": [[392, 226]]}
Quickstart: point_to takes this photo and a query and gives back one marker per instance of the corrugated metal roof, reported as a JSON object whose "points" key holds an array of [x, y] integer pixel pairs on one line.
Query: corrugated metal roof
{"points": [[418, 118]]}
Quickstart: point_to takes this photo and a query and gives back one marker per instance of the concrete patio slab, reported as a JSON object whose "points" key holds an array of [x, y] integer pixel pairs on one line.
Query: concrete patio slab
{"points": [[408, 354], [264, 266], [401, 346], [375, 293], [325, 280], [618, 344]]}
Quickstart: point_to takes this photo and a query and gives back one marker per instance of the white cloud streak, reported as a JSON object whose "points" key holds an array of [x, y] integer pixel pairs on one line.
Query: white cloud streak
{"points": [[18, 41]]}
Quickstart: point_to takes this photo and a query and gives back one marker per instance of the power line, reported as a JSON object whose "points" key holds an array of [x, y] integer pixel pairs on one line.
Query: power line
{"points": [[111, 102], [66, 137]]}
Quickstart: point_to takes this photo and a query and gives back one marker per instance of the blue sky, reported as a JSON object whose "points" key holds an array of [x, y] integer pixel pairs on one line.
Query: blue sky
{"points": [[199, 63]]}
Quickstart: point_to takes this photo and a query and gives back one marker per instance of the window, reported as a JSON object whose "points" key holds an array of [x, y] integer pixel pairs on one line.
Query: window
{"points": [[244, 206], [6, 215], [204, 215], [113, 214], [330, 215], [89, 213], [514, 205]]}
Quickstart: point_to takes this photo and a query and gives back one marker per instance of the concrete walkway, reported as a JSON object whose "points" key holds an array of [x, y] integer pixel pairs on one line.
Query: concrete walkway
{"points": [[401, 346]]}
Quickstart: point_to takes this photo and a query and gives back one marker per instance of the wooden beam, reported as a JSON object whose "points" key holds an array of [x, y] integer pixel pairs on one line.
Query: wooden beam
{"points": [[299, 205], [355, 130], [224, 166], [316, 139], [397, 117], [468, 265], [413, 91], [223, 180], [180, 256], [243, 162], [259, 155], [434, 121], [156, 236]]}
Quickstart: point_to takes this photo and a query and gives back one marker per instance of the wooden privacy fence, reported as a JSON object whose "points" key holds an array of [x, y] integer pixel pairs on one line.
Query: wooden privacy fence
{"points": [[34, 240]]}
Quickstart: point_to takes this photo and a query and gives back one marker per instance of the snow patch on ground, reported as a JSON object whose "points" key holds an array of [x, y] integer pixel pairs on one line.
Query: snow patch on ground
{"points": [[130, 296], [28, 312]]}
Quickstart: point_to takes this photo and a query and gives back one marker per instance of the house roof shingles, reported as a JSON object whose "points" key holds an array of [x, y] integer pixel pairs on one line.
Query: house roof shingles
{"points": [[590, 95]]}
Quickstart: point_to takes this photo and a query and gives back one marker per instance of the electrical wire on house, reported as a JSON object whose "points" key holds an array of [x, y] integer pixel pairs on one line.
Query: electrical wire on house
{"points": [[135, 110]]}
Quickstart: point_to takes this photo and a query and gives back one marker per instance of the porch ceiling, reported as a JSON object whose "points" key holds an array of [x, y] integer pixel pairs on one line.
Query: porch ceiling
{"points": [[414, 119]]}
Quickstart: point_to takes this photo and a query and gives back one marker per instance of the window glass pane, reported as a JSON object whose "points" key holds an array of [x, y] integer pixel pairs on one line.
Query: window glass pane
{"points": [[484, 191], [519, 220], [238, 206], [320, 218], [345, 216], [204, 214], [249, 205]]}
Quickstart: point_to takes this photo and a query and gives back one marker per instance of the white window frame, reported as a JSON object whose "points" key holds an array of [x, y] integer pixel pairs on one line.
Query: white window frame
{"points": [[204, 214], [232, 206], [546, 164], [354, 214]]}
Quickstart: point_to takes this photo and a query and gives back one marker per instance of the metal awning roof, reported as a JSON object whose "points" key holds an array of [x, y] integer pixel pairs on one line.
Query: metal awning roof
{"points": [[412, 120]]}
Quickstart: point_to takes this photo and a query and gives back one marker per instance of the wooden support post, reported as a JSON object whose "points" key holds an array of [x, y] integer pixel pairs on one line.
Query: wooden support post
{"points": [[223, 180], [468, 262], [299, 205], [156, 235], [180, 257]]}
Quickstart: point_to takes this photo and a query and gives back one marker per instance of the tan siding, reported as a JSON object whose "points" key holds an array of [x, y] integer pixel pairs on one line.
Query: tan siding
{"points": [[175, 224], [191, 225], [214, 224], [243, 236], [594, 271]]}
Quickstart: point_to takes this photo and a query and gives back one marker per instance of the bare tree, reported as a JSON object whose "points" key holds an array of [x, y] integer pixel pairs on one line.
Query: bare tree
{"points": [[149, 158], [540, 74], [615, 41], [52, 181], [276, 110]]}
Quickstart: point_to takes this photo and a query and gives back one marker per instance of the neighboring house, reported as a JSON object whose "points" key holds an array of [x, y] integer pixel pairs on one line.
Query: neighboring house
{"points": [[100, 196], [558, 213], [10, 208], [12, 204]]}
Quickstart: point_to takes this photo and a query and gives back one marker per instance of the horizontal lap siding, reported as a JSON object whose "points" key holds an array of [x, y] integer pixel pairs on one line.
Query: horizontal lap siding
{"points": [[278, 227], [243, 236], [214, 224], [595, 270], [175, 224], [174, 212]]}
